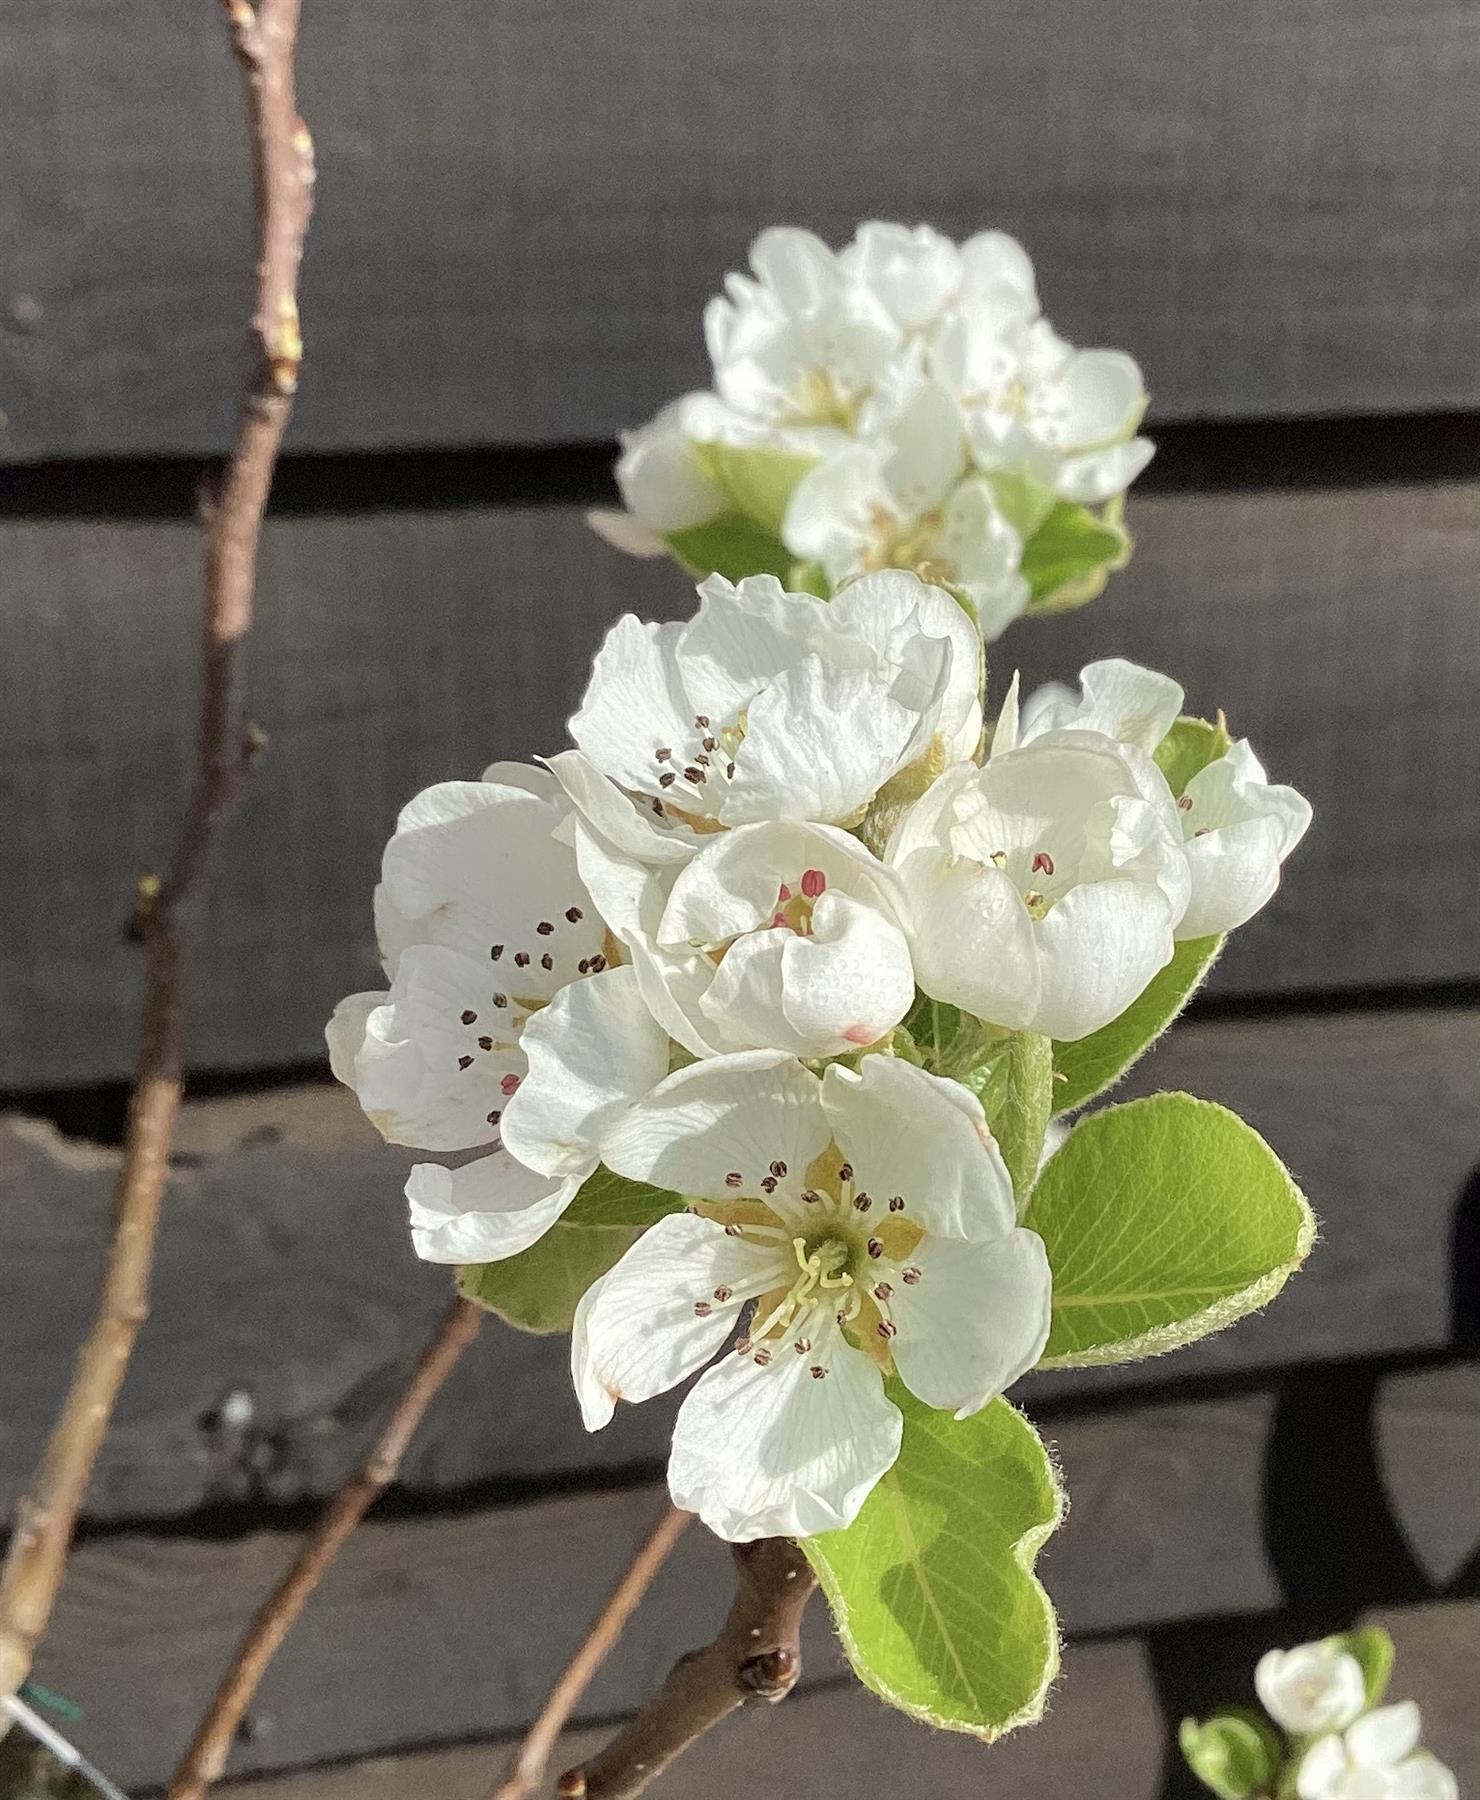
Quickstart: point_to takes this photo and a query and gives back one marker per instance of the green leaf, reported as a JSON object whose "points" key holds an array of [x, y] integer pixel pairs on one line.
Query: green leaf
{"points": [[539, 1289], [759, 482], [1373, 1649], [1068, 559], [1016, 1092], [808, 578], [730, 545], [1188, 748], [932, 1586], [1235, 1753], [1164, 1220], [608, 1199], [1091, 1064]]}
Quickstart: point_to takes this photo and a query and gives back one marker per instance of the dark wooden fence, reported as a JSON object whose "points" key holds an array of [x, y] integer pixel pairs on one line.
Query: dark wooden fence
{"points": [[522, 209]]}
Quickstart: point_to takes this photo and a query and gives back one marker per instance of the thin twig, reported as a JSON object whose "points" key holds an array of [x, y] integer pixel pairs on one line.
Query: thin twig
{"points": [[205, 1760], [526, 1771], [757, 1656], [166, 912]]}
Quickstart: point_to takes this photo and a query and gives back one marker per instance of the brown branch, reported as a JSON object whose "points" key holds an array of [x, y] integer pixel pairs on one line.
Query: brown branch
{"points": [[166, 912], [205, 1760], [757, 1656], [526, 1771]]}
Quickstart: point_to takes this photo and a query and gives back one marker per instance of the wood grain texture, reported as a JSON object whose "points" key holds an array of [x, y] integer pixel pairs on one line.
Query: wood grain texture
{"points": [[464, 1620], [1341, 630], [285, 1275], [523, 211], [1103, 1735]]}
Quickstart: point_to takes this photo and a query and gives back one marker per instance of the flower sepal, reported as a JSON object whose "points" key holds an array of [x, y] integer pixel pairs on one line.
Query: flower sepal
{"points": [[1236, 1753]]}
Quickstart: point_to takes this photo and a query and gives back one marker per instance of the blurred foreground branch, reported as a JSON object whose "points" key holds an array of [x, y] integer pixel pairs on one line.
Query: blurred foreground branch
{"points": [[756, 1656], [526, 1771], [167, 911], [205, 1760]]}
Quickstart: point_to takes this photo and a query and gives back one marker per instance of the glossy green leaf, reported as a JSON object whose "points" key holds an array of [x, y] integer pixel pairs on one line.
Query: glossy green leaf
{"points": [[608, 1199], [932, 1587], [1235, 1753], [539, 1289], [1373, 1650], [1069, 558], [731, 545], [1188, 748], [1091, 1064], [759, 482], [1164, 1219]]}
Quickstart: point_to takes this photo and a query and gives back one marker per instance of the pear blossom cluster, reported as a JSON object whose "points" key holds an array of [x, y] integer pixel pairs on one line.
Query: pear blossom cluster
{"points": [[927, 412], [1339, 1744], [685, 948]]}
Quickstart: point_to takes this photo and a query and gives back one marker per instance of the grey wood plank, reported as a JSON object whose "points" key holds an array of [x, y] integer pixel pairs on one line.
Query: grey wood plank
{"points": [[521, 213], [285, 1276], [434, 1629], [1103, 1735], [1341, 629]]}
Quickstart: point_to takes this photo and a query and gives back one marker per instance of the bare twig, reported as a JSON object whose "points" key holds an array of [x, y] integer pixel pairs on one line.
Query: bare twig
{"points": [[757, 1656], [526, 1771], [166, 912], [205, 1760]]}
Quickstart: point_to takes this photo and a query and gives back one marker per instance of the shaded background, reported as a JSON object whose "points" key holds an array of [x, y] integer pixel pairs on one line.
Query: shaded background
{"points": [[1276, 207]]}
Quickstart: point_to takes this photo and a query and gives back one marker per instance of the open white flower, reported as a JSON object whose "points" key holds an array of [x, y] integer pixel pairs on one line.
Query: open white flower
{"points": [[1311, 1689], [1237, 826], [779, 936], [803, 342], [1031, 403], [1375, 1758], [770, 705], [900, 497], [1042, 890], [485, 925], [870, 1219]]}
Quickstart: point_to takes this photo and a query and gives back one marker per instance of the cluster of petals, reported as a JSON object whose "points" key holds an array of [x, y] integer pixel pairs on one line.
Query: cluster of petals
{"points": [[683, 949], [909, 376], [1317, 1693]]}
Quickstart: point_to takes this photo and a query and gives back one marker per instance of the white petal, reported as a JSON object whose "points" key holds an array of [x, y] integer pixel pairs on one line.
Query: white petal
{"points": [[1120, 699], [485, 1211], [1310, 1689], [913, 271], [641, 1332], [1098, 475], [732, 1115], [821, 742], [631, 827], [634, 704], [437, 1055], [345, 1033], [1423, 1777], [596, 1402], [971, 937], [592, 1051], [975, 1320], [1235, 871], [986, 553], [477, 865], [1319, 1776], [660, 478], [746, 634], [1095, 398], [830, 516], [1098, 948], [927, 450], [777, 1452], [1382, 1738], [888, 608], [992, 261], [625, 532], [796, 265], [922, 1139], [850, 981]]}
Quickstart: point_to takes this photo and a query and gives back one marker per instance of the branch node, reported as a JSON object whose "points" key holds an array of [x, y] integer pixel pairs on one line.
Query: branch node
{"points": [[147, 894]]}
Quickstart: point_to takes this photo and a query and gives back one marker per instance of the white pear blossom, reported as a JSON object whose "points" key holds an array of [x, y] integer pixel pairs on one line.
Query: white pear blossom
{"points": [[870, 1220], [499, 973], [1312, 1689], [1042, 891], [771, 705], [774, 936], [1237, 826], [901, 496], [1375, 1758]]}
